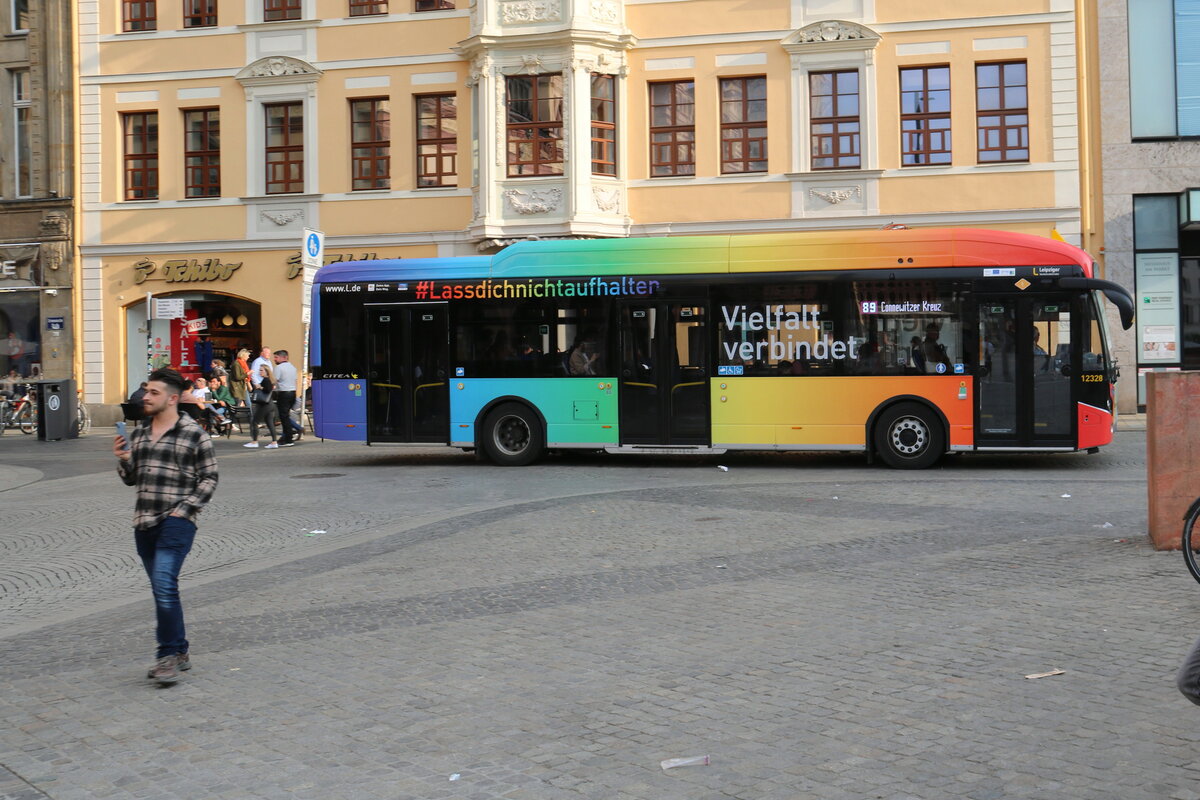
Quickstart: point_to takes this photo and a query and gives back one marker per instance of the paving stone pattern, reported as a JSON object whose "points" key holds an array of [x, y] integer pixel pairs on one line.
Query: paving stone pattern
{"points": [[821, 628]]}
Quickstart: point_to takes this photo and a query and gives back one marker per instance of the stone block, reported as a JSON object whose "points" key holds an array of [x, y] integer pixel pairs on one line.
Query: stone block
{"points": [[1172, 452]]}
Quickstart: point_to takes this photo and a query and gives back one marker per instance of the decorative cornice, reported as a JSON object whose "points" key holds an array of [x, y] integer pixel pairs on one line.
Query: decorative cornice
{"points": [[830, 35], [278, 69]]}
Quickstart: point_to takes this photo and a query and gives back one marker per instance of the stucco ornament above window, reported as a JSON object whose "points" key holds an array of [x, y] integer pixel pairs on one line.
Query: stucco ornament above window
{"points": [[830, 35], [278, 69], [534, 201]]}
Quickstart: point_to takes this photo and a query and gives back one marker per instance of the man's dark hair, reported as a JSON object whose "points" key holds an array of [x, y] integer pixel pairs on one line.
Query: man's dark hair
{"points": [[281, 353], [170, 377]]}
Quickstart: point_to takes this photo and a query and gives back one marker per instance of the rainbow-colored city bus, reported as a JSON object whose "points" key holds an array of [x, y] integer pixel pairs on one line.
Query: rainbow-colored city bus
{"points": [[901, 344]]}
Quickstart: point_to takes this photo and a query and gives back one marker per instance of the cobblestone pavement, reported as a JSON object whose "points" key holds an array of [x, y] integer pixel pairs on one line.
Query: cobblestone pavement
{"points": [[391, 623]]}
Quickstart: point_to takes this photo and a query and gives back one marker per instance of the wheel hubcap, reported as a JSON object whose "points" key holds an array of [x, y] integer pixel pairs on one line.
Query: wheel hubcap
{"points": [[909, 436], [512, 435]]}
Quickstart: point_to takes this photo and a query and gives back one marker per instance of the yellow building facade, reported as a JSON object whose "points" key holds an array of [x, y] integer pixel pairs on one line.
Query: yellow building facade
{"points": [[213, 133]]}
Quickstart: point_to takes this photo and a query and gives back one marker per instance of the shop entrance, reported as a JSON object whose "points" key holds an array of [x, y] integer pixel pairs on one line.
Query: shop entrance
{"points": [[213, 327]]}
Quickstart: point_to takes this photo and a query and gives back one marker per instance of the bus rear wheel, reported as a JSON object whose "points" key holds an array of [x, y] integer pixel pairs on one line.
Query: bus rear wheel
{"points": [[512, 435], [909, 436]]}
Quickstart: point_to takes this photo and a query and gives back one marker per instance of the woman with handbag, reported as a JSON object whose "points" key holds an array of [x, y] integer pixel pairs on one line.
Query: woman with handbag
{"points": [[262, 399], [239, 380]]}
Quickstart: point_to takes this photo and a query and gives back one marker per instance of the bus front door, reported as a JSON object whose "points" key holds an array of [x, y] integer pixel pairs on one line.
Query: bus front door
{"points": [[1024, 385], [408, 397], [664, 374]]}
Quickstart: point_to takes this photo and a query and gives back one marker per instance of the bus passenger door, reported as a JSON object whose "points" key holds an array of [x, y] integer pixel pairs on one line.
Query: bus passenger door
{"points": [[664, 374], [1026, 362], [408, 398]]}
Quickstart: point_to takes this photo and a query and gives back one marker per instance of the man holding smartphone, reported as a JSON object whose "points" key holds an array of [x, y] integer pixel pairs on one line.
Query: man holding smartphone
{"points": [[170, 459]]}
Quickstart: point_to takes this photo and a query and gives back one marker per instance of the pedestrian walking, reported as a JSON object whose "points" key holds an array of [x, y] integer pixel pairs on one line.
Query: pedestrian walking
{"points": [[263, 402], [170, 459], [285, 395]]}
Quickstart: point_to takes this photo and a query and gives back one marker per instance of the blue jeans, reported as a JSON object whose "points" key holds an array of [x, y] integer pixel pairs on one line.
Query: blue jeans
{"points": [[162, 550]]}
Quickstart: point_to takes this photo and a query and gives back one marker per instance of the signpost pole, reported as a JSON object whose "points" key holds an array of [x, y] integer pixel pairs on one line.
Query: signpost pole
{"points": [[149, 336], [312, 258]]}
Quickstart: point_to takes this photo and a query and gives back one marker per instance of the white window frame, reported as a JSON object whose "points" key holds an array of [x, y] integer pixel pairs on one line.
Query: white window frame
{"points": [[12, 17], [831, 56], [256, 139], [21, 104]]}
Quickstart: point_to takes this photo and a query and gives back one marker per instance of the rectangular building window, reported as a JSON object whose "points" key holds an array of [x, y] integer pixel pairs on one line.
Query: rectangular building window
{"points": [[20, 16], [285, 148], [434, 5], [199, 13], [437, 140], [744, 124], [22, 153], [370, 144], [139, 15], [833, 120], [672, 128], [1164, 68], [1002, 105], [604, 124], [535, 113], [202, 152], [279, 10], [366, 8], [924, 115], [141, 155]]}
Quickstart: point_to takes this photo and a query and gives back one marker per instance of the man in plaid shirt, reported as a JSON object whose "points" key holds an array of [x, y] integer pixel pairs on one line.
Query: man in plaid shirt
{"points": [[171, 462]]}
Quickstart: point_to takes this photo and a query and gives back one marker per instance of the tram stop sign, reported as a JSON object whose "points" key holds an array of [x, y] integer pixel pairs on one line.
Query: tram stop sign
{"points": [[313, 252]]}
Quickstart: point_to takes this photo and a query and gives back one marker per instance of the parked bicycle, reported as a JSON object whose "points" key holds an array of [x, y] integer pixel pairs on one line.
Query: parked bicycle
{"points": [[19, 411], [83, 420], [1189, 544]]}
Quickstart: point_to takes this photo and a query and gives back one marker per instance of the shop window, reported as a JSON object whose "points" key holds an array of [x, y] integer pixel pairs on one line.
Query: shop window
{"points": [[141, 155], [20, 343], [1002, 106], [925, 115], [202, 152], [535, 116], [199, 13], [279, 10], [366, 8], [672, 128], [744, 124], [370, 143], [139, 15], [437, 140], [285, 148], [833, 120], [604, 125], [22, 154]]}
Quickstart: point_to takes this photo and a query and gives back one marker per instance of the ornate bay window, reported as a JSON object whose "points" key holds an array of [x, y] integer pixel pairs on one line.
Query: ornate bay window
{"points": [[534, 105]]}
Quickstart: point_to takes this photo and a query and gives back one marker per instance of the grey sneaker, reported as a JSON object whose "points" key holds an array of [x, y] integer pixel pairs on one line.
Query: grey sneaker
{"points": [[179, 663]]}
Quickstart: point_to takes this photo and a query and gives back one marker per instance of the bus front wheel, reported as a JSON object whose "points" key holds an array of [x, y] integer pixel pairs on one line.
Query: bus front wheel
{"points": [[512, 435], [909, 436]]}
